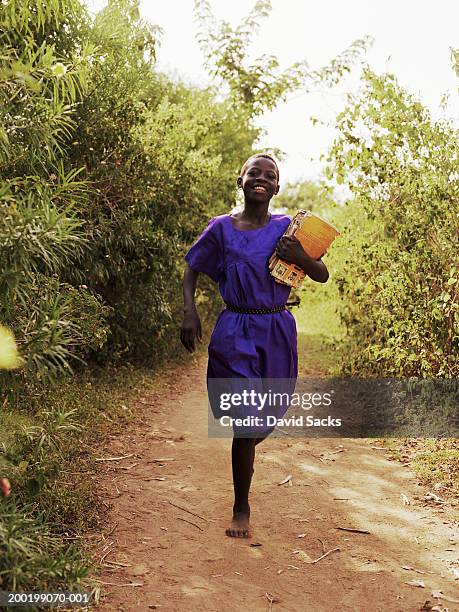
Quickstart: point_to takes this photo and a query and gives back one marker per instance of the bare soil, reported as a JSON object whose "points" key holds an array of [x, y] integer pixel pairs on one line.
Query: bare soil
{"points": [[161, 556]]}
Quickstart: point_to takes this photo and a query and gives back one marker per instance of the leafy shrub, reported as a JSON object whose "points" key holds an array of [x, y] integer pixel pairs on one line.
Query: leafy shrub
{"points": [[396, 263], [31, 557]]}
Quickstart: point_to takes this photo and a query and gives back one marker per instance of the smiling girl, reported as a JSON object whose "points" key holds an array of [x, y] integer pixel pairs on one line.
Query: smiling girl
{"points": [[255, 335]]}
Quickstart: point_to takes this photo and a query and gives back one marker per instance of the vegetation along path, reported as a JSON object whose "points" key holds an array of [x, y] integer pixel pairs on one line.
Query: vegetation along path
{"points": [[172, 495]]}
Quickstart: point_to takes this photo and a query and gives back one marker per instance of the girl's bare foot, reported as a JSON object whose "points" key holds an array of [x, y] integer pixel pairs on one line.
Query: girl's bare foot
{"points": [[239, 527]]}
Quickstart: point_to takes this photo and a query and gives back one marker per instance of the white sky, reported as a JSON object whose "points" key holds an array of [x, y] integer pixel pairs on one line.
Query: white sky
{"points": [[412, 39]]}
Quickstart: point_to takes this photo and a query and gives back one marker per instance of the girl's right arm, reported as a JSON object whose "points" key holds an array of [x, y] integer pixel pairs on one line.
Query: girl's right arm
{"points": [[191, 326]]}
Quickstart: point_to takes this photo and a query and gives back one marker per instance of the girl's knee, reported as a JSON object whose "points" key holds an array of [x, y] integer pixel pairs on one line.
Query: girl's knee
{"points": [[245, 442]]}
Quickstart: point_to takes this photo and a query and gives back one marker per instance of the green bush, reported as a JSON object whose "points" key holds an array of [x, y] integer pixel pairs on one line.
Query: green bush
{"points": [[40, 232], [396, 266], [107, 172], [32, 558]]}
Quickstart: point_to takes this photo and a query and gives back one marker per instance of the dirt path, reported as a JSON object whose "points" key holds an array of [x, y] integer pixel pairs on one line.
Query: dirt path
{"points": [[169, 564]]}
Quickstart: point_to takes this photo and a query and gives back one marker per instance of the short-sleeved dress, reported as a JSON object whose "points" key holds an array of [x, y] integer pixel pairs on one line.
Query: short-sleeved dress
{"points": [[247, 346]]}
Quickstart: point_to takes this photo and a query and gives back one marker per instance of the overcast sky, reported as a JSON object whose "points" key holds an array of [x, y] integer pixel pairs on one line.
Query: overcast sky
{"points": [[413, 39]]}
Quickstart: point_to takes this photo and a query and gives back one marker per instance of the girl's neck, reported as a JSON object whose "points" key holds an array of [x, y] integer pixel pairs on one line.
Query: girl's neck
{"points": [[255, 221], [258, 215]]}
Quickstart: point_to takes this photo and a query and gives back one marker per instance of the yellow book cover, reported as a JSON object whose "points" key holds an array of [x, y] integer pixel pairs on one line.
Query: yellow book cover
{"points": [[315, 236]]}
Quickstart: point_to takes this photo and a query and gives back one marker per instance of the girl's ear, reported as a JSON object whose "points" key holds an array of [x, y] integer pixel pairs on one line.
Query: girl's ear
{"points": [[277, 189], [239, 181]]}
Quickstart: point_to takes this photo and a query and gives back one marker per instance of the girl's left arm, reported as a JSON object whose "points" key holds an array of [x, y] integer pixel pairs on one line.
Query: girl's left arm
{"points": [[290, 250]]}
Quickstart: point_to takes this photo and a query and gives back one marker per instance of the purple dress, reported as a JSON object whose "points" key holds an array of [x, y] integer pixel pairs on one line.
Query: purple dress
{"points": [[247, 346]]}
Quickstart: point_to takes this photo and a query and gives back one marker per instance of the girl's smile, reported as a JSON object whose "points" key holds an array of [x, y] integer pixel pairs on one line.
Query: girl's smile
{"points": [[259, 180]]}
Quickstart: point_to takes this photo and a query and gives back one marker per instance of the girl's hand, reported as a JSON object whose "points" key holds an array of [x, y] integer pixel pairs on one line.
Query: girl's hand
{"points": [[191, 329], [290, 250]]}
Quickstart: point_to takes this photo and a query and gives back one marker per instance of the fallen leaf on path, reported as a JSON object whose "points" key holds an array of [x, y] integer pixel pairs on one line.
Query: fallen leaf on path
{"points": [[432, 497], [455, 572], [413, 569], [302, 535], [429, 607], [256, 544], [287, 479], [271, 600], [438, 594], [405, 499], [280, 571], [417, 583]]}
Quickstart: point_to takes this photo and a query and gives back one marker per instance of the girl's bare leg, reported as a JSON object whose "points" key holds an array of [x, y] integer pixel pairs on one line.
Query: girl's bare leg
{"points": [[242, 455]]}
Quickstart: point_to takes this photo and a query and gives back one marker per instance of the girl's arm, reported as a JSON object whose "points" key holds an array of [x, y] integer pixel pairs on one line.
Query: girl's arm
{"points": [[191, 326], [290, 249]]}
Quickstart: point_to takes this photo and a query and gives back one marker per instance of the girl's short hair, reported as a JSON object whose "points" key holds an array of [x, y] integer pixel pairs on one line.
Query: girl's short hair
{"points": [[246, 163]]}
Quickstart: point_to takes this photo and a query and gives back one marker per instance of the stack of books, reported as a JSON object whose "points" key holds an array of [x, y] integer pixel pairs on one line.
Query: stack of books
{"points": [[315, 236]]}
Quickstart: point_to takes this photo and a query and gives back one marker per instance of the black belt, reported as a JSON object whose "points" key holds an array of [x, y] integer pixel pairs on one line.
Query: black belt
{"points": [[234, 308]]}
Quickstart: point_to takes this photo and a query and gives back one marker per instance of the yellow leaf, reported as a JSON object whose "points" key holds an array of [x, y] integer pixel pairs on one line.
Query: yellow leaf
{"points": [[9, 357], [23, 465]]}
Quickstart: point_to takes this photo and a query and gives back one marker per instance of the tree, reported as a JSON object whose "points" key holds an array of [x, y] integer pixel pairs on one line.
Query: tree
{"points": [[261, 86], [397, 256]]}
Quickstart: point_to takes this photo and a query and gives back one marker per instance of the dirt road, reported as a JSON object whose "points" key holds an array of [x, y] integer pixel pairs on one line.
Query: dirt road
{"points": [[161, 556]]}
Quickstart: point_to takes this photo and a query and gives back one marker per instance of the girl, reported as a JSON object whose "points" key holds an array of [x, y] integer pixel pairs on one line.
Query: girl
{"points": [[254, 336]]}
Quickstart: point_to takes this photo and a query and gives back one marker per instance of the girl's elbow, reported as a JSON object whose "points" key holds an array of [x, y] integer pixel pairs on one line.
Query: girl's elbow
{"points": [[319, 278], [321, 272], [323, 276]]}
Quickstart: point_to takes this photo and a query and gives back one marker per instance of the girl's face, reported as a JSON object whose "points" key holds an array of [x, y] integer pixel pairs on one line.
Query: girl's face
{"points": [[259, 181]]}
